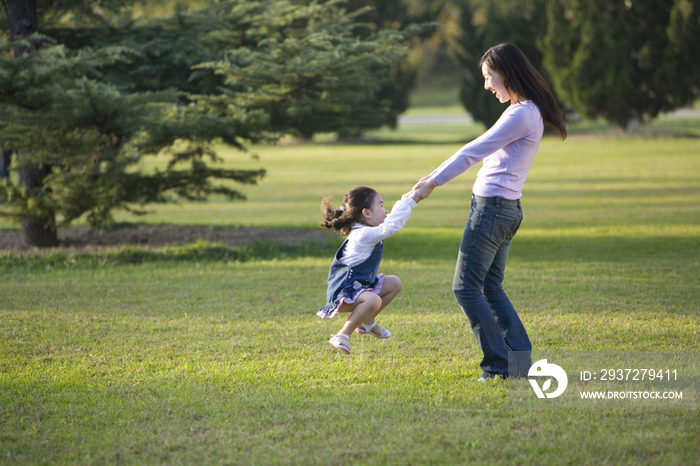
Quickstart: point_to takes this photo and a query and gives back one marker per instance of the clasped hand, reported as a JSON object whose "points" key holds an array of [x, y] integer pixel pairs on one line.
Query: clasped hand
{"points": [[422, 189]]}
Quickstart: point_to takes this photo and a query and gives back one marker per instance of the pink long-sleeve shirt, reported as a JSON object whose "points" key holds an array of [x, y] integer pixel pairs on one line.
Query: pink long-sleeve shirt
{"points": [[508, 149]]}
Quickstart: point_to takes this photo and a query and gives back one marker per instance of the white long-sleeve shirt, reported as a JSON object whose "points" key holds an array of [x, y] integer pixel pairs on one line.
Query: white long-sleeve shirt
{"points": [[363, 238], [508, 149]]}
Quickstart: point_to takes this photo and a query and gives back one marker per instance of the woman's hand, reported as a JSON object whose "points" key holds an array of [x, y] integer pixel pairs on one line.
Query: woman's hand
{"points": [[412, 195], [423, 188]]}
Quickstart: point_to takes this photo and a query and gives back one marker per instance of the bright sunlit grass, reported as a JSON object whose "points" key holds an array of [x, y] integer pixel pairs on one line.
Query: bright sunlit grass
{"points": [[208, 355]]}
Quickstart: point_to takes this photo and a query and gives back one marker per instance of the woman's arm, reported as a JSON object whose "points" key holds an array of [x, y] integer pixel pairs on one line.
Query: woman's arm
{"points": [[515, 123]]}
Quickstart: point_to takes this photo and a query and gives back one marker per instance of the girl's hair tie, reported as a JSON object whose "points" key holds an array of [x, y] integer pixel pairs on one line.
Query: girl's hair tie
{"points": [[342, 208]]}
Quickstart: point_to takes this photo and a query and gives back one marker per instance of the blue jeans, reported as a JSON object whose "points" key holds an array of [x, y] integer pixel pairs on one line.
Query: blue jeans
{"points": [[493, 221]]}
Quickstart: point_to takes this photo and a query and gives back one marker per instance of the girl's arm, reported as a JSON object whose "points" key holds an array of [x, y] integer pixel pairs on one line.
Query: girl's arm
{"points": [[393, 223]]}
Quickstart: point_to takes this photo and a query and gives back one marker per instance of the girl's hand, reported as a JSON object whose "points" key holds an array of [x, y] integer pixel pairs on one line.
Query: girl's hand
{"points": [[423, 188], [413, 195]]}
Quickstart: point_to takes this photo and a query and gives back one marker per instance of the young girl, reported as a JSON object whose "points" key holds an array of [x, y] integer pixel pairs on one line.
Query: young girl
{"points": [[353, 283], [507, 150]]}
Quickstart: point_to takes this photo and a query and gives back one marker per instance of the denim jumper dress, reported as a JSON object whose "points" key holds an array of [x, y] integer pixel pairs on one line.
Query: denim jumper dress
{"points": [[345, 283]]}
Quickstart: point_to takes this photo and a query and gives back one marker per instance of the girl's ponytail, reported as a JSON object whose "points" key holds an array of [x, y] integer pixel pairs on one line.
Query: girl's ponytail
{"points": [[331, 215], [349, 213]]}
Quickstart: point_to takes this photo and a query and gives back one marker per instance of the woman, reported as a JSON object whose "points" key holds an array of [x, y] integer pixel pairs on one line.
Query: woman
{"points": [[507, 150]]}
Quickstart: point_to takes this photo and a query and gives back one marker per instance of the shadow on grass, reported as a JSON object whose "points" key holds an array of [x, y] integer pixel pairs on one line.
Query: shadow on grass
{"points": [[451, 134], [663, 127], [201, 251], [410, 246], [417, 246]]}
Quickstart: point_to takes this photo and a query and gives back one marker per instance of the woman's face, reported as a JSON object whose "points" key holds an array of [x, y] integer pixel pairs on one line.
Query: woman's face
{"points": [[493, 81]]}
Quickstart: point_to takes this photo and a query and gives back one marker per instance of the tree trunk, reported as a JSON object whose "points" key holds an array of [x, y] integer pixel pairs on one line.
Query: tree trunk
{"points": [[39, 232], [5, 158], [22, 19]]}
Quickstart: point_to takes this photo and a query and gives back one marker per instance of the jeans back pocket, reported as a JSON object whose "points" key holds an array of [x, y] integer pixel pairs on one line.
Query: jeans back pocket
{"points": [[504, 228]]}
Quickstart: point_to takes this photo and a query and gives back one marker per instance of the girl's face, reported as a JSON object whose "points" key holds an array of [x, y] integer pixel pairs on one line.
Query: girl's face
{"points": [[493, 81], [375, 215]]}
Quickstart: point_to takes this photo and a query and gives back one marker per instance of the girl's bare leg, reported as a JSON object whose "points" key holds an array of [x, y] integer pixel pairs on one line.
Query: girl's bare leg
{"points": [[390, 289], [367, 305]]}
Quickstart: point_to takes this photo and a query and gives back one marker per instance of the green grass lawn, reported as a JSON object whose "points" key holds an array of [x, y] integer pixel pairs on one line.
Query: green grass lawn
{"points": [[206, 355]]}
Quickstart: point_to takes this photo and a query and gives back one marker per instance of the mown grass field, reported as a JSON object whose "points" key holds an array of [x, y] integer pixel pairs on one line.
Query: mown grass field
{"points": [[204, 355]]}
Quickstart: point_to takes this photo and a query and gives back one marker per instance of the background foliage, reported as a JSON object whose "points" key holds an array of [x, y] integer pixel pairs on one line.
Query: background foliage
{"points": [[104, 84], [623, 61], [99, 93]]}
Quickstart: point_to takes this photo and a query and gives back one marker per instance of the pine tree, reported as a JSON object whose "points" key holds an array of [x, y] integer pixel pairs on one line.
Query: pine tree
{"points": [[388, 17], [92, 100], [22, 21], [624, 61]]}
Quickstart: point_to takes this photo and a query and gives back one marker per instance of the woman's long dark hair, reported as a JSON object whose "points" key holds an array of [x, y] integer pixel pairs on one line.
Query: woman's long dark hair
{"points": [[523, 82], [349, 213]]}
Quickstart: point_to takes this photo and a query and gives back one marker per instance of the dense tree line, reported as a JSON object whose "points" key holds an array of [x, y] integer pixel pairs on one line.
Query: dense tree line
{"points": [[623, 60], [89, 88], [84, 100], [626, 60]]}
